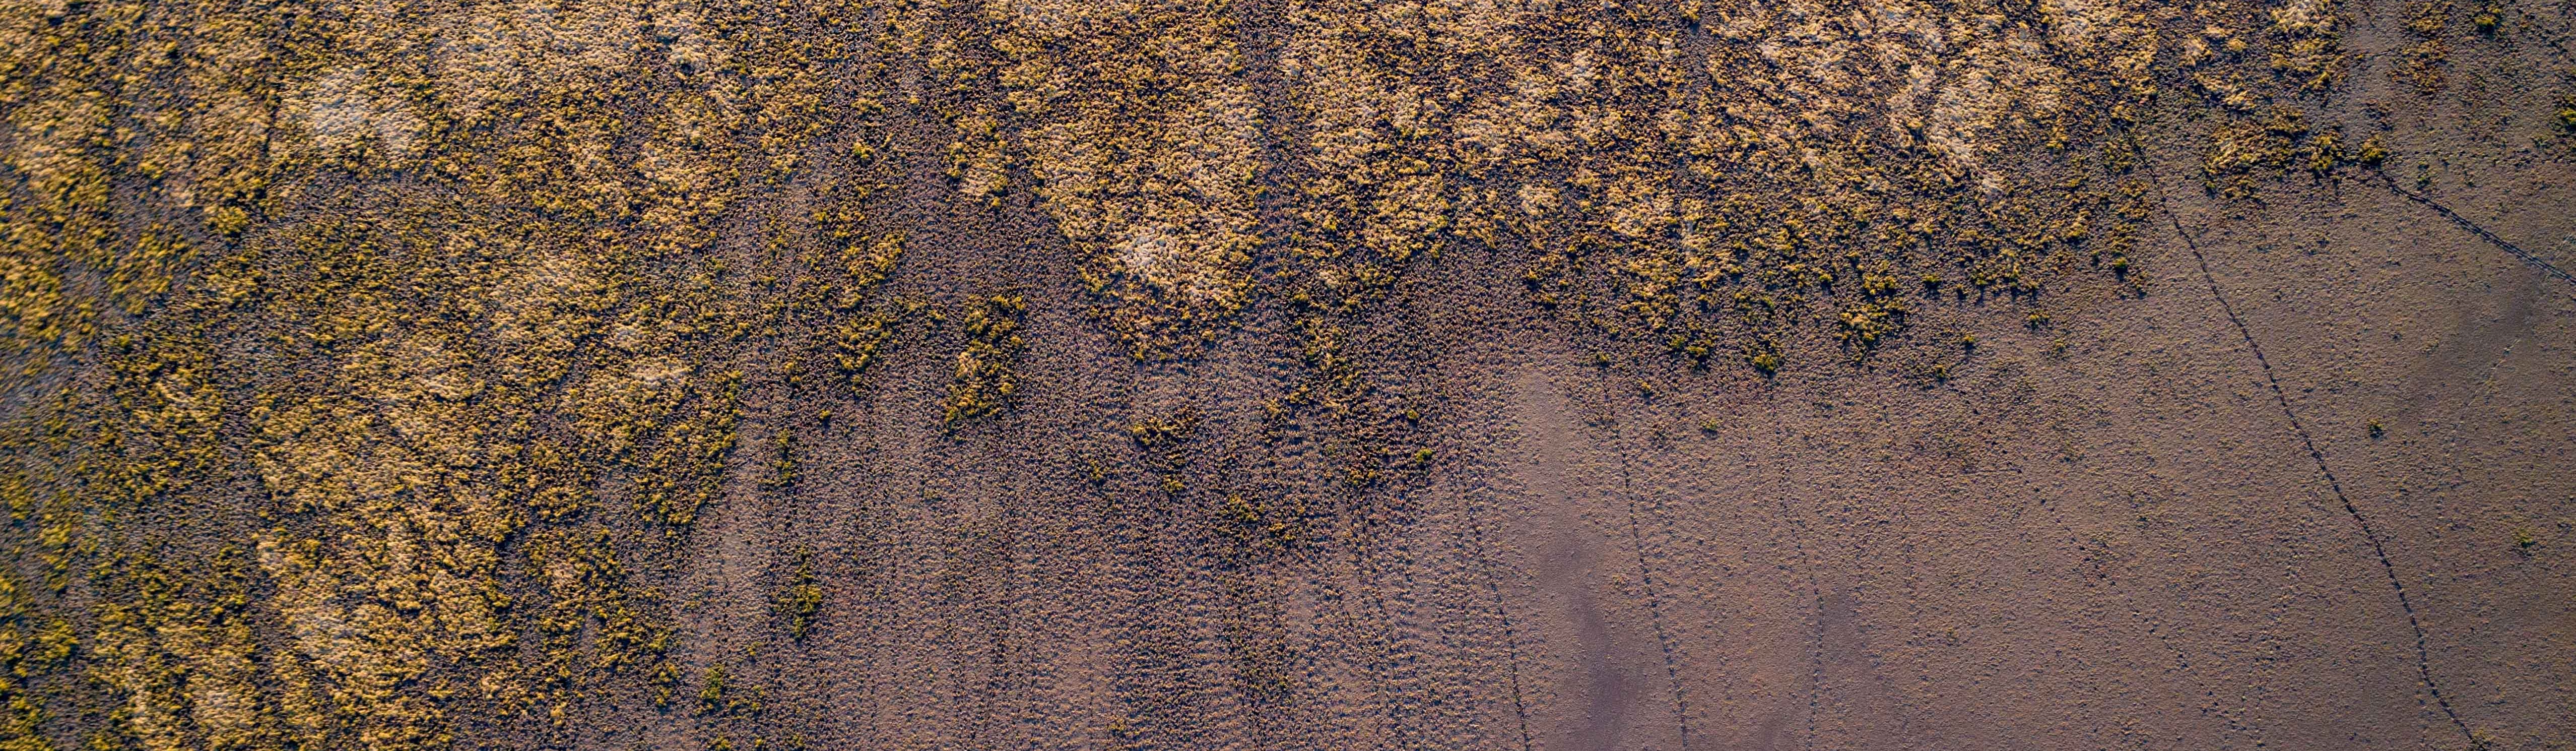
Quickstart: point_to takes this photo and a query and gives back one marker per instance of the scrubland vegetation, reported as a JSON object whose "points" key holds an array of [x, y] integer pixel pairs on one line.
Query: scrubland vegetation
{"points": [[360, 357]]}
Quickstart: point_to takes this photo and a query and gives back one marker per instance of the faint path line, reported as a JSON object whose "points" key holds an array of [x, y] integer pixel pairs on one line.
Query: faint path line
{"points": [[1646, 578], [1511, 641], [1816, 609], [1654, 607], [1427, 687], [1815, 645], [1914, 622], [2233, 723], [1879, 663], [2423, 653], [2164, 640], [1375, 645], [2527, 256], [2182, 660], [1395, 654]]}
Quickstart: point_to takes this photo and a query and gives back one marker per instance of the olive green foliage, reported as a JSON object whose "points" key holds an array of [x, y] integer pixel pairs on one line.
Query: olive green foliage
{"points": [[987, 375], [801, 602], [369, 368]]}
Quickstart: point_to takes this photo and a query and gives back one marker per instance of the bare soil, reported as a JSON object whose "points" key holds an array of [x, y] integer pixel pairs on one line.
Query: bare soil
{"points": [[1182, 415]]}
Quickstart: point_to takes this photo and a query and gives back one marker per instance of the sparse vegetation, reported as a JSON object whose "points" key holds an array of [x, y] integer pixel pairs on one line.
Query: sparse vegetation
{"points": [[802, 599], [987, 376], [2426, 58], [373, 375]]}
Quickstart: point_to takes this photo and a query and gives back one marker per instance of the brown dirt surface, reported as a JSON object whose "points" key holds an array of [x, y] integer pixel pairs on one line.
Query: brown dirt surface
{"points": [[1288, 374]]}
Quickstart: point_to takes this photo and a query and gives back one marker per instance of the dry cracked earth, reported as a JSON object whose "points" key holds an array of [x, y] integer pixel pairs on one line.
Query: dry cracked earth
{"points": [[1288, 374]]}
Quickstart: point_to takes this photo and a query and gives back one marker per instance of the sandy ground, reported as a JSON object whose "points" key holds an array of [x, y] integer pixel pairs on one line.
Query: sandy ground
{"points": [[2180, 532], [2315, 489]]}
